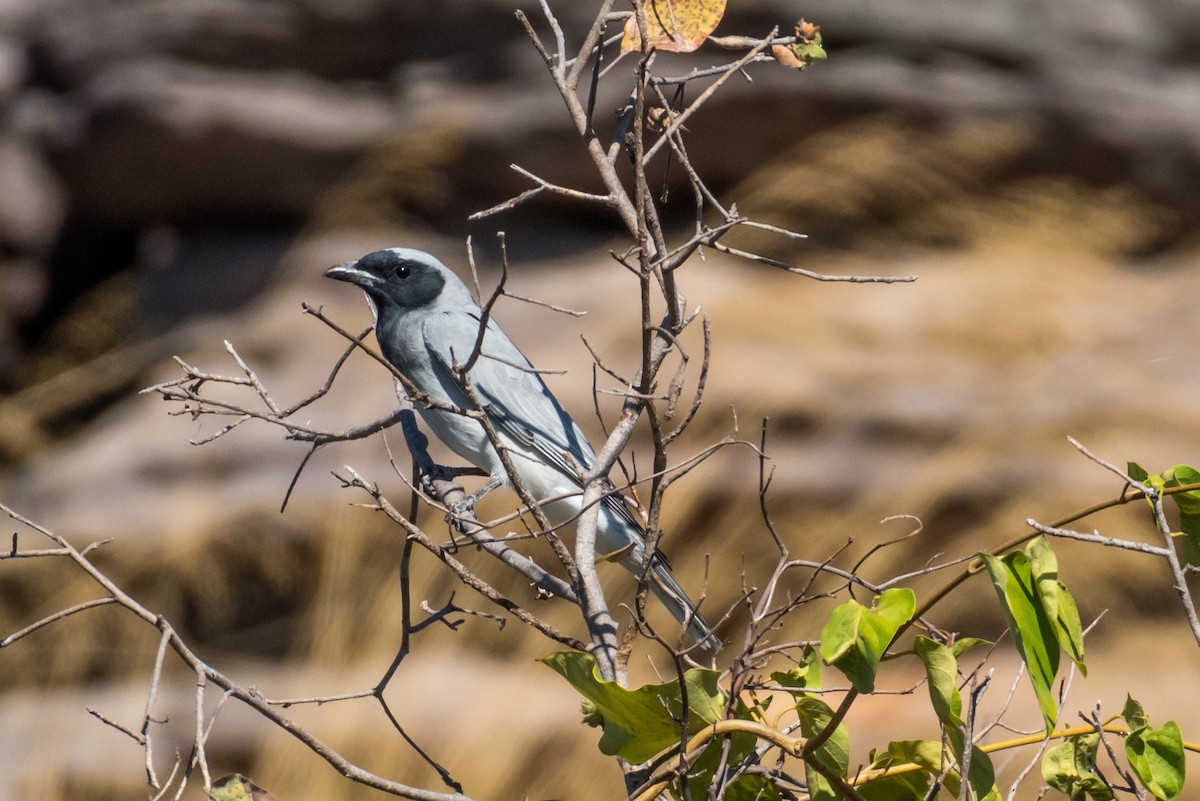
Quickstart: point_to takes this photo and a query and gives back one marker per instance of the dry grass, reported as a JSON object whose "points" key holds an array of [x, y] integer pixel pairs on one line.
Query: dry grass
{"points": [[949, 400]]}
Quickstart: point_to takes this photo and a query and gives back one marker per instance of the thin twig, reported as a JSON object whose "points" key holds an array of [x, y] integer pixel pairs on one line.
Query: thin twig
{"points": [[245, 695], [155, 678], [708, 92], [201, 759], [1098, 538], [57, 616], [851, 279], [133, 735]]}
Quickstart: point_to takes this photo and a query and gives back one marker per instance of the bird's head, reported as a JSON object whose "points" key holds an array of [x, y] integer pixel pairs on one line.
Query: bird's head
{"points": [[400, 278]]}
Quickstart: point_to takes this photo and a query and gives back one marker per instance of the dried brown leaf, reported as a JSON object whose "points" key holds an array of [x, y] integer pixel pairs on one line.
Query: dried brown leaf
{"points": [[680, 26]]}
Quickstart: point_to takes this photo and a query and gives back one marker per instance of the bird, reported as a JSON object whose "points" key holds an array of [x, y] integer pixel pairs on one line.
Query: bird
{"points": [[427, 324]]}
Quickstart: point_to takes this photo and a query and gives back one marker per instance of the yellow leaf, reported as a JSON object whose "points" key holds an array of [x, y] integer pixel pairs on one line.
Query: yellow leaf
{"points": [[617, 555], [680, 26]]}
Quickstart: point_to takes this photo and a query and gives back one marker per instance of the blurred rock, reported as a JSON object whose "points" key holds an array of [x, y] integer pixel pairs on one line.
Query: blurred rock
{"points": [[371, 112], [31, 202], [22, 288], [12, 67], [164, 141], [340, 40]]}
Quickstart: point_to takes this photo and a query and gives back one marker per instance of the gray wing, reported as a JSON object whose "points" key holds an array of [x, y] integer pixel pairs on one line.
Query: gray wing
{"points": [[516, 399]]}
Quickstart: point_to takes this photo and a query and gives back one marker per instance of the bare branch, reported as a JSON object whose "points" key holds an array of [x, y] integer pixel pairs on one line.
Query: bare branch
{"points": [[57, 616], [250, 375], [571, 80], [1098, 539], [544, 304], [509, 204], [246, 696], [601, 625], [200, 735], [485, 310], [542, 186], [701, 382], [1167, 551], [148, 718], [137, 738], [319, 700], [709, 91], [558, 33], [464, 574], [851, 279]]}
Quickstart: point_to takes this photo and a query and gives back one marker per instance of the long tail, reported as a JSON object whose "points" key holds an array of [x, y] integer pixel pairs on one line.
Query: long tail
{"points": [[667, 589], [618, 530]]}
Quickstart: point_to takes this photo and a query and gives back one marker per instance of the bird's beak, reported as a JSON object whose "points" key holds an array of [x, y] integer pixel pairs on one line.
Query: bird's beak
{"points": [[350, 271]]}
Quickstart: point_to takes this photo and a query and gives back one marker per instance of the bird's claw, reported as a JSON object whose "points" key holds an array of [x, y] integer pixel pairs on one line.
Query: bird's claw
{"points": [[466, 507], [461, 509]]}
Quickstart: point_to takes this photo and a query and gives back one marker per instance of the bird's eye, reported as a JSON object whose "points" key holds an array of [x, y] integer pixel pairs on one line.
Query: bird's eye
{"points": [[403, 270]]}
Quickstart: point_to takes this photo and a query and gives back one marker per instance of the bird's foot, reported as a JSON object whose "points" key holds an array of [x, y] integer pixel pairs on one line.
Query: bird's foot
{"points": [[466, 507], [461, 509]]}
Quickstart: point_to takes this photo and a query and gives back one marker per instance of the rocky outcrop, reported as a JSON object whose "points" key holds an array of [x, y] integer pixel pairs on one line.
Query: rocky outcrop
{"points": [[121, 118]]}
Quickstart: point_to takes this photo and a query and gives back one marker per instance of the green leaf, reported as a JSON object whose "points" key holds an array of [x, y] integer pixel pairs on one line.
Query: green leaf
{"points": [[814, 715], [965, 644], [1182, 475], [1071, 768], [928, 754], [941, 674], [1056, 600], [808, 53], [1043, 567], [236, 787], [1189, 527], [1070, 629], [638, 724], [911, 786], [855, 638], [805, 675], [1155, 755], [1189, 509], [1134, 715], [834, 753], [1188, 503], [1032, 630]]}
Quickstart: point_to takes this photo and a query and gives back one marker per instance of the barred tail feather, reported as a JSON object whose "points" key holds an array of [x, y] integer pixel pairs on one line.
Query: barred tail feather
{"points": [[681, 607]]}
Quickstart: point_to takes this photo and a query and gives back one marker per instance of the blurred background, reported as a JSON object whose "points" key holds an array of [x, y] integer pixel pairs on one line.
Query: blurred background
{"points": [[175, 174]]}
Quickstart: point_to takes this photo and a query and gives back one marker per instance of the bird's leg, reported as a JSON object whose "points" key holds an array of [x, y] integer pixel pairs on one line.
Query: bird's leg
{"points": [[457, 472], [439, 472], [467, 504]]}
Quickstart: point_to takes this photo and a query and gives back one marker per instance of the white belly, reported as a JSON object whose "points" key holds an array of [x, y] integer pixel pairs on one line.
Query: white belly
{"points": [[467, 438], [544, 482]]}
